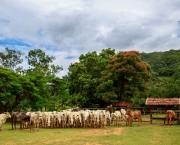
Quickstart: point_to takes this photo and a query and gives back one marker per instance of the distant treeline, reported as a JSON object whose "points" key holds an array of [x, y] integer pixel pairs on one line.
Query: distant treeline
{"points": [[163, 63]]}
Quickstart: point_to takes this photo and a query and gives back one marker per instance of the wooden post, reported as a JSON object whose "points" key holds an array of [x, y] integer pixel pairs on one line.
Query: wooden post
{"points": [[150, 116], [178, 117]]}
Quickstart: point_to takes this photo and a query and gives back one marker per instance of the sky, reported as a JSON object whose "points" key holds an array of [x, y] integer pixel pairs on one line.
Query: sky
{"points": [[68, 28]]}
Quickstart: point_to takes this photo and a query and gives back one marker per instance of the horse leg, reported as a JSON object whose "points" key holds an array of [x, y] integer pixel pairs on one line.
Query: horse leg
{"points": [[139, 120], [20, 125], [130, 121], [170, 120]]}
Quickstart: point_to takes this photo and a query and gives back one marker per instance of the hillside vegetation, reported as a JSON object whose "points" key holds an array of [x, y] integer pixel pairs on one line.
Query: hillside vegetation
{"points": [[166, 73], [163, 63]]}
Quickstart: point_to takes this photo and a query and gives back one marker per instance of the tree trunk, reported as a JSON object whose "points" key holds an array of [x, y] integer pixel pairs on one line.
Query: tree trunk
{"points": [[5, 107], [121, 90]]}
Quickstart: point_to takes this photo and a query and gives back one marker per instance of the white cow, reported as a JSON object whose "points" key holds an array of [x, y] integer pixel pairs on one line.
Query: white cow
{"points": [[124, 116], [64, 119], [46, 119], [35, 120], [93, 119], [77, 119], [96, 120], [108, 118], [59, 119], [116, 117], [54, 119], [3, 118], [85, 118], [70, 120], [102, 119]]}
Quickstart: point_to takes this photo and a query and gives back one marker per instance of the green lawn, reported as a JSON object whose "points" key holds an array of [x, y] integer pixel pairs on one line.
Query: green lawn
{"points": [[146, 134]]}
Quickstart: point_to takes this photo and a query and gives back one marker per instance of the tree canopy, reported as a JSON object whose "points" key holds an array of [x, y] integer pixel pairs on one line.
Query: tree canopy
{"points": [[125, 77], [84, 78], [29, 89], [15, 88], [42, 63], [11, 59]]}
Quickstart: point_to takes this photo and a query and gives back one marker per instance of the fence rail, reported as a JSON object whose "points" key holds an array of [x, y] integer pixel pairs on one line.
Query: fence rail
{"points": [[163, 118]]}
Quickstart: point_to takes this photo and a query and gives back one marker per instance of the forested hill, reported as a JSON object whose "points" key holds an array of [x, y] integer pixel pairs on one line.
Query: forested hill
{"points": [[163, 63]]}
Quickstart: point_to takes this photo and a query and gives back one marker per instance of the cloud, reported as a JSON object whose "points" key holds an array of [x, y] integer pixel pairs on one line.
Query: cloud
{"points": [[67, 28]]}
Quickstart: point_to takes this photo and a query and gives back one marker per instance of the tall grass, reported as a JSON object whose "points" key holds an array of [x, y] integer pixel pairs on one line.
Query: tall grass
{"points": [[146, 134]]}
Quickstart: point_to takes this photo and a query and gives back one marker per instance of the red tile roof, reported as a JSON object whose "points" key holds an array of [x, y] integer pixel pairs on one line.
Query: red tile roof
{"points": [[162, 101], [122, 104]]}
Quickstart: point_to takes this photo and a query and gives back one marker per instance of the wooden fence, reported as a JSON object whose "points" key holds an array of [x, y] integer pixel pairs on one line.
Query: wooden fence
{"points": [[177, 118], [146, 111]]}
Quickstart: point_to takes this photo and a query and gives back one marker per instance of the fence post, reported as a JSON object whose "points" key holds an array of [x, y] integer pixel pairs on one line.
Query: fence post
{"points": [[178, 117], [150, 116]]}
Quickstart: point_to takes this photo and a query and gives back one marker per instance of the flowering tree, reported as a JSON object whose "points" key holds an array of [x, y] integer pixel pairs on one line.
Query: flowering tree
{"points": [[125, 77]]}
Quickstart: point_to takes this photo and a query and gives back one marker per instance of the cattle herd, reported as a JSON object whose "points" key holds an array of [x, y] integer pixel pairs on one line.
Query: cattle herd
{"points": [[72, 119]]}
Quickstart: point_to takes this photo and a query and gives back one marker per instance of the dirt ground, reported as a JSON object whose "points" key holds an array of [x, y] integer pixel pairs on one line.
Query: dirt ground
{"points": [[113, 131], [95, 132]]}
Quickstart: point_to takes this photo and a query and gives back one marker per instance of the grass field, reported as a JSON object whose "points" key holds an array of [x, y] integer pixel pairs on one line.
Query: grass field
{"points": [[146, 134]]}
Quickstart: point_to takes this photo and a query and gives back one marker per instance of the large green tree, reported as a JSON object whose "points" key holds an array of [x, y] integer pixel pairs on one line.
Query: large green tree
{"points": [[15, 88], [42, 71], [31, 89], [125, 78], [84, 78]]}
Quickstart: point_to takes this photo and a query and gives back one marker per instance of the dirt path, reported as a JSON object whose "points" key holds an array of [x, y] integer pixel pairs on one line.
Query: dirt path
{"points": [[99, 132]]}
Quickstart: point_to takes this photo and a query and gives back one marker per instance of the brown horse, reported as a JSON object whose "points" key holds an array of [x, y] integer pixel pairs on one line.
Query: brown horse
{"points": [[133, 115], [170, 115], [109, 108]]}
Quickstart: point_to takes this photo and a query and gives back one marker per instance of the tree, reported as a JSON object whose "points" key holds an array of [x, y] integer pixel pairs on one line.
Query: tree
{"points": [[42, 71], [84, 78], [176, 75], [42, 63], [15, 88], [59, 93], [41, 82], [10, 59], [125, 77]]}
